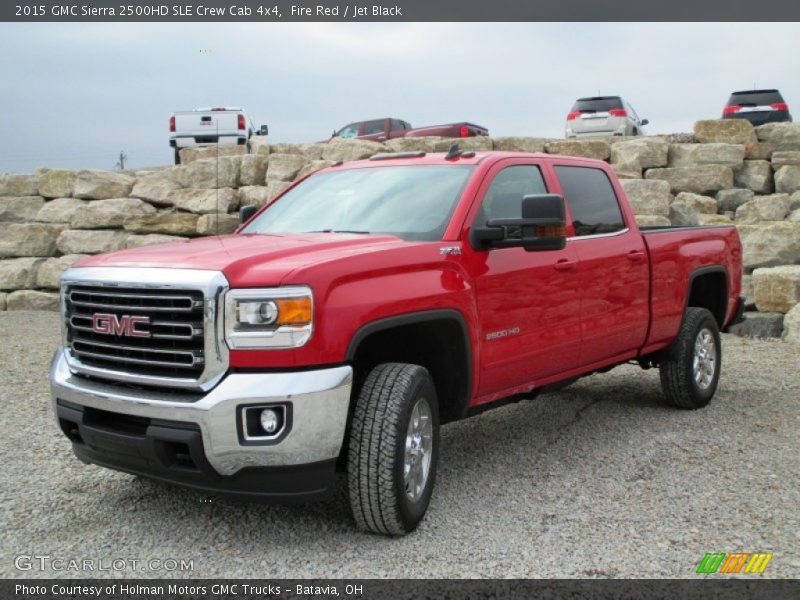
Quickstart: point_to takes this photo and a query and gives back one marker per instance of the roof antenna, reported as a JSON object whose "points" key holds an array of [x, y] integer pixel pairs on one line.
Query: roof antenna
{"points": [[454, 152]]}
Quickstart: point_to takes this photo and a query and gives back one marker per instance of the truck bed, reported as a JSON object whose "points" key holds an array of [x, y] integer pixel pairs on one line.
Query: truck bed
{"points": [[676, 255]]}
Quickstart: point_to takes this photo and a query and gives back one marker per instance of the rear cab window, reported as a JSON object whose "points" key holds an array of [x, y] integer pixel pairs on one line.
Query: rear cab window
{"points": [[591, 200]]}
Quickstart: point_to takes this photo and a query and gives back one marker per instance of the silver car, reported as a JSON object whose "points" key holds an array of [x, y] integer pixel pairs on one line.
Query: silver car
{"points": [[602, 116]]}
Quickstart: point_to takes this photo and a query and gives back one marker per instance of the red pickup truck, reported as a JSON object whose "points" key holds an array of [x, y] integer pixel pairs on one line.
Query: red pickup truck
{"points": [[369, 304], [380, 130]]}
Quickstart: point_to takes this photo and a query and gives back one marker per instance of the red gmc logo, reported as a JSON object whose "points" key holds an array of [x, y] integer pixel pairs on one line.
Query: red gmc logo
{"points": [[123, 325]]}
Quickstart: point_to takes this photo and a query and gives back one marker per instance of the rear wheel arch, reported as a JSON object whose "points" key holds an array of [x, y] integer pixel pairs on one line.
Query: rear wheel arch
{"points": [[708, 288], [436, 339]]}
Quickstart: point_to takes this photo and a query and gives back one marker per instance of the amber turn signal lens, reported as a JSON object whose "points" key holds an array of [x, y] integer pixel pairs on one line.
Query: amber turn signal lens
{"points": [[542, 232], [294, 311]]}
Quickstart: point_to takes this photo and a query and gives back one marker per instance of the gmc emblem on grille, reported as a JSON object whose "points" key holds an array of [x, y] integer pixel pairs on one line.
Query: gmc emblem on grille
{"points": [[108, 324]]}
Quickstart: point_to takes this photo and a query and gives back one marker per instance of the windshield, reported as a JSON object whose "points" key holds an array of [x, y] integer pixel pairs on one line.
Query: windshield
{"points": [[414, 203], [349, 131]]}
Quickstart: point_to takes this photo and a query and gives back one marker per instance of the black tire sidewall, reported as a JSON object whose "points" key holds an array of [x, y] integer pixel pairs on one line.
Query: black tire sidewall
{"points": [[703, 396], [411, 512]]}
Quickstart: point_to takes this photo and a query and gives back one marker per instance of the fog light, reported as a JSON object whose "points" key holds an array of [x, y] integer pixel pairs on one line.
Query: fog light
{"points": [[269, 420]]}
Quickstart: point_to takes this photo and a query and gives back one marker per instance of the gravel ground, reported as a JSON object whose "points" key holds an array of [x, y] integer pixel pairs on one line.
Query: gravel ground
{"points": [[598, 480]]}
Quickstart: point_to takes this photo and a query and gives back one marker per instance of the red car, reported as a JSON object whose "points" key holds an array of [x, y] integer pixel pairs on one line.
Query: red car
{"points": [[380, 130], [371, 303]]}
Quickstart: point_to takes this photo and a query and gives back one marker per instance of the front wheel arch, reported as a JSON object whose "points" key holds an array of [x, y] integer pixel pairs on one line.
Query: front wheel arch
{"points": [[435, 339]]}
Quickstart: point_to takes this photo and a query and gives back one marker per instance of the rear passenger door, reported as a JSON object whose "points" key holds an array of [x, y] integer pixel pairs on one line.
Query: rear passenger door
{"points": [[613, 266]]}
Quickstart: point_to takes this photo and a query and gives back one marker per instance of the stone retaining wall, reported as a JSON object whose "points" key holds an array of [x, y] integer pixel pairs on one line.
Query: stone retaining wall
{"points": [[726, 172]]}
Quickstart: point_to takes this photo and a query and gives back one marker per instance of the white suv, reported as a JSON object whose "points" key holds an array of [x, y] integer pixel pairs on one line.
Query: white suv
{"points": [[602, 116]]}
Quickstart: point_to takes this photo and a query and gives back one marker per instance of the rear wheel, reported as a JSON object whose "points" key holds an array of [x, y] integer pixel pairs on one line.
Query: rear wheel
{"points": [[394, 449], [690, 367]]}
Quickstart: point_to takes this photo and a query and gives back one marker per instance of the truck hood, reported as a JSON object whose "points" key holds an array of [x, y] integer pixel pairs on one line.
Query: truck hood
{"points": [[273, 256]]}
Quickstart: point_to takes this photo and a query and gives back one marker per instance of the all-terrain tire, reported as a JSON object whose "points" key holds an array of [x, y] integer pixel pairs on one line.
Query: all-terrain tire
{"points": [[688, 378], [377, 452]]}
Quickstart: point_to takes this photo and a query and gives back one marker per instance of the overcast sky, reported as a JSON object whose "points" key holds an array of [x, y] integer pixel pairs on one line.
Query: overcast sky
{"points": [[74, 95]]}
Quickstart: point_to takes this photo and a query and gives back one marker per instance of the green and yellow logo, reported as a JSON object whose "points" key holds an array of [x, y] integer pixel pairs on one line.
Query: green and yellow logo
{"points": [[736, 562]]}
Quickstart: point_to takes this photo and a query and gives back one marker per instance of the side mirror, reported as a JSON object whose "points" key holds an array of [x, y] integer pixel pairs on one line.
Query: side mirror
{"points": [[263, 130], [542, 226], [246, 212], [334, 134], [645, 122]]}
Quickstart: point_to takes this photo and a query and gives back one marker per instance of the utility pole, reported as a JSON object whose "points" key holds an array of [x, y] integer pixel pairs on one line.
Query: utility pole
{"points": [[121, 162]]}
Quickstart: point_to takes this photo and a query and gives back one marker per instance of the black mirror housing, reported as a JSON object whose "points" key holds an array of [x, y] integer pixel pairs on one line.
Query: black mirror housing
{"points": [[246, 212], [645, 122], [263, 130], [542, 226]]}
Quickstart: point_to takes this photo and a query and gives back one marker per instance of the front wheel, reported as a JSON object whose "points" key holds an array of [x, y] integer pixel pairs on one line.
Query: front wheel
{"points": [[691, 366], [177, 156], [394, 449]]}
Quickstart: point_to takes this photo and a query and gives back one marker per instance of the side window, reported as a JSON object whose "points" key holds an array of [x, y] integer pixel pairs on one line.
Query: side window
{"points": [[503, 199], [372, 127], [591, 200], [350, 131], [397, 125]]}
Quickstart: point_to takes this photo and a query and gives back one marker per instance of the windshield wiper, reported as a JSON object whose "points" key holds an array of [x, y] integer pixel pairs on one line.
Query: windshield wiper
{"points": [[338, 231]]}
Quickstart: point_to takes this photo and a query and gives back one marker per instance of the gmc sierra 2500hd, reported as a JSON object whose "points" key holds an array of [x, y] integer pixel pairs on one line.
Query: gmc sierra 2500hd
{"points": [[370, 303]]}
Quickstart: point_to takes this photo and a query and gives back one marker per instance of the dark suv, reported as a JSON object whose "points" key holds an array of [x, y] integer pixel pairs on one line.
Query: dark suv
{"points": [[758, 107]]}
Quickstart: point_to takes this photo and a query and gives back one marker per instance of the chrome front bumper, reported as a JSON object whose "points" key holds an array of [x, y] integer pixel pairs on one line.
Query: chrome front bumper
{"points": [[319, 402]]}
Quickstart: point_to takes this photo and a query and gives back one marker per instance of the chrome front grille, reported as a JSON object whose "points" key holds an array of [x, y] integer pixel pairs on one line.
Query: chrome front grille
{"points": [[150, 326], [168, 340]]}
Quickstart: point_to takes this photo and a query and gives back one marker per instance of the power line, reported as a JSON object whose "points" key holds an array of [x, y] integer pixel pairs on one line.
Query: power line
{"points": [[121, 162]]}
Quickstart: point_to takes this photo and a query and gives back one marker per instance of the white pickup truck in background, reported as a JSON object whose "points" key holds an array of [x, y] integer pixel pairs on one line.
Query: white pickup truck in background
{"points": [[210, 126]]}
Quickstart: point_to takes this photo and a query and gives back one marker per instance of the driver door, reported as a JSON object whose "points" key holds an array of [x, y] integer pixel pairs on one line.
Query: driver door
{"points": [[528, 302]]}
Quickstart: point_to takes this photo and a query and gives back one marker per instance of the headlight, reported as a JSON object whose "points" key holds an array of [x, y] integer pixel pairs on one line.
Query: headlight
{"points": [[269, 318]]}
